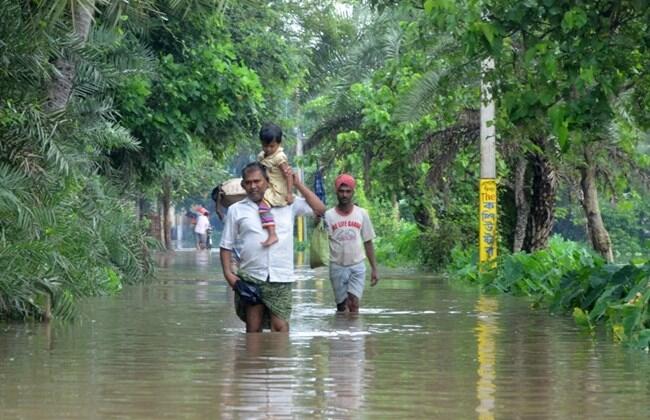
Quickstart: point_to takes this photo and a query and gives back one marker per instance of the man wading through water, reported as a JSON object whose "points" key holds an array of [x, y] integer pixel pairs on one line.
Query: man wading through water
{"points": [[263, 282], [348, 226]]}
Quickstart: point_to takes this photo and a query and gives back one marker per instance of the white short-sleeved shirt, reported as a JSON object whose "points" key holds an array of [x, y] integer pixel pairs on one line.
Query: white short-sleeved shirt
{"points": [[202, 224], [347, 233], [244, 228]]}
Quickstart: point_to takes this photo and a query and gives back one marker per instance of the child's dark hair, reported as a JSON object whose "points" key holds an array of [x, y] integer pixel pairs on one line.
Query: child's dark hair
{"points": [[270, 133]]}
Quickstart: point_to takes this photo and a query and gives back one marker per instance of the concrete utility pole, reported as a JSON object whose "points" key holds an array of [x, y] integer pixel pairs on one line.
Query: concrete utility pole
{"points": [[300, 223], [488, 185]]}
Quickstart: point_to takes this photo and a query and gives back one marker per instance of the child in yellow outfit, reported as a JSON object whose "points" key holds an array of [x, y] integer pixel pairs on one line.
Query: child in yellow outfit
{"points": [[278, 194]]}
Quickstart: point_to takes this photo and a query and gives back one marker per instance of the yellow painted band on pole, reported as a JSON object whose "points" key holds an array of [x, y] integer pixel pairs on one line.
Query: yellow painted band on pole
{"points": [[301, 230], [487, 220], [300, 255]]}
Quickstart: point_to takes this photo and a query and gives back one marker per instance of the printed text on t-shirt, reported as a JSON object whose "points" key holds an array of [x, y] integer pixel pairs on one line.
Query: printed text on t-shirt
{"points": [[346, 223]]}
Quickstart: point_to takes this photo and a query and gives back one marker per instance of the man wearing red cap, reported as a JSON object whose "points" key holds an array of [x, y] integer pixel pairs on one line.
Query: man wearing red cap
{"points": [[349, 227]]}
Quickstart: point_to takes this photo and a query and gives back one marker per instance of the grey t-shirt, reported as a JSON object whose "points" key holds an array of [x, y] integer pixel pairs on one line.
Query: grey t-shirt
{"points": [[347, 233]]}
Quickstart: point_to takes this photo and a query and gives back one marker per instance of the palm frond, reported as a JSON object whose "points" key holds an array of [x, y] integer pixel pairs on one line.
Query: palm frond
{"points": [[330, 128], [184, 7], [25, 48], [110, 136], [15, 198], [376, 43], [30, 143], [421, 99], [440, 148], [392, 43], [69, 233]]}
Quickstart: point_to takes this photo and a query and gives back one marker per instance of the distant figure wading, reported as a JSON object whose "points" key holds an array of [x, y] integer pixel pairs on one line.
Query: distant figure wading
{"points": [[201, 229]]}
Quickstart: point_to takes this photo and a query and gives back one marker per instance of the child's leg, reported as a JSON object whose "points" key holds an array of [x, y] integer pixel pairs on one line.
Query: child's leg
{"points": [[268, 222]]}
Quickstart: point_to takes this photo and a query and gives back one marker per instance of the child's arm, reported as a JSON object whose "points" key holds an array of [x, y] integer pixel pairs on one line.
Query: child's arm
{"points": [[289, 180]]}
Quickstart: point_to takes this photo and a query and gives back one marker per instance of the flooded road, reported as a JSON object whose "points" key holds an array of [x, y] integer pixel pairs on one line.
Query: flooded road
{"points": [[420, 348]]}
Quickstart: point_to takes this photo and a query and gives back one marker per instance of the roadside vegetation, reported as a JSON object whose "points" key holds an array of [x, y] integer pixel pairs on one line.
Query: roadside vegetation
{"points": [[112, 113], [570, 279], [400, 110]]}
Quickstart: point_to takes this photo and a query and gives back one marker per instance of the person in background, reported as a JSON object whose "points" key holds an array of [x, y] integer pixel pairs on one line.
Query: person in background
{"points": [[348, 227], [201, 229], [264, 279]]}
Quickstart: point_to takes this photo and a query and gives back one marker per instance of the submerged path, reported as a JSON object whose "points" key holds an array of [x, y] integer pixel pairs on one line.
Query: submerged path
{"points": [[419, 349]]}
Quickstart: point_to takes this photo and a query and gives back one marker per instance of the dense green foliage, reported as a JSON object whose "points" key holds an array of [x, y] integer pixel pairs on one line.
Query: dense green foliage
{"points": [[66, 238], [626, 218], [570, 83], [108, 103], [401, 112], [66, 229]]}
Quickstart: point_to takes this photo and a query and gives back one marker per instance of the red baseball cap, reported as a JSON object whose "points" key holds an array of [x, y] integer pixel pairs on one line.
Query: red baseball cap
{"points": [[346, 179]]}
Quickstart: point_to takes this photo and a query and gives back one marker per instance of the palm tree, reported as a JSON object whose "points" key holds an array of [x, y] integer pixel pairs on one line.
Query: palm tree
{"points": [[66, 233]]}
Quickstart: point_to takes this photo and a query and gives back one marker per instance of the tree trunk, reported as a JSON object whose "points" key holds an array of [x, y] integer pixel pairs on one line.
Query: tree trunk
{"points": [[542, 206], [521, 204], [142, 208], [395, 203], [421, 213], [595, 227], [60, 88], [367, 158], [166, 204], [160, 225]]}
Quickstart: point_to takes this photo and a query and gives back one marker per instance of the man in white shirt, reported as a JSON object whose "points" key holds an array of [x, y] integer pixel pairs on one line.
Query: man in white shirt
{"points": [[348, 227], [201, 229], [268, 270]]}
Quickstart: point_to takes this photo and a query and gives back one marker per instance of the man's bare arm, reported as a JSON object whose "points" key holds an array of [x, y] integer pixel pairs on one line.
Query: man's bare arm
{"points": [[312, 199], [226, 263], [370, 253]]}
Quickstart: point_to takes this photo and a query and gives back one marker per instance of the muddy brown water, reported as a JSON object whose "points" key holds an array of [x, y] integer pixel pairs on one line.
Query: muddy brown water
{"points": [[420, 348]]}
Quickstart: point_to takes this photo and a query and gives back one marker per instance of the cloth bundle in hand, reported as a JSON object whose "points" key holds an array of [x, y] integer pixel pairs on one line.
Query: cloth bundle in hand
{"points": [[248, 292], [319, 247]]}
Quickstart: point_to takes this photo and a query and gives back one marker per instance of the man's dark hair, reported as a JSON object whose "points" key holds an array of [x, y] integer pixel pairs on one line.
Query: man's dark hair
{"points": [[252, 167], [270, 133]]}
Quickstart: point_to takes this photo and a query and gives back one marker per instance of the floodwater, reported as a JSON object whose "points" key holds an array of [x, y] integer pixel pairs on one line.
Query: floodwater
{"points": [[420, 348]]}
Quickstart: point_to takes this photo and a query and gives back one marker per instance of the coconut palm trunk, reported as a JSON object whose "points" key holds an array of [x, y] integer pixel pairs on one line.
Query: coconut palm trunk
{"points": [[60, 88], [542, 203], [521, 204], [596, 230]]}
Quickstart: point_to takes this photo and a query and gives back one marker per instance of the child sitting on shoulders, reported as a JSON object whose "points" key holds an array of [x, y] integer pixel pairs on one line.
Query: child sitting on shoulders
{"points": [[278, 194]]}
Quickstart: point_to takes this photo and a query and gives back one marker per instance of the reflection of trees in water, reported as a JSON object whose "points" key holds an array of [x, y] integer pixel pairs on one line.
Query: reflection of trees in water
{"points": [[165, 260]]}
